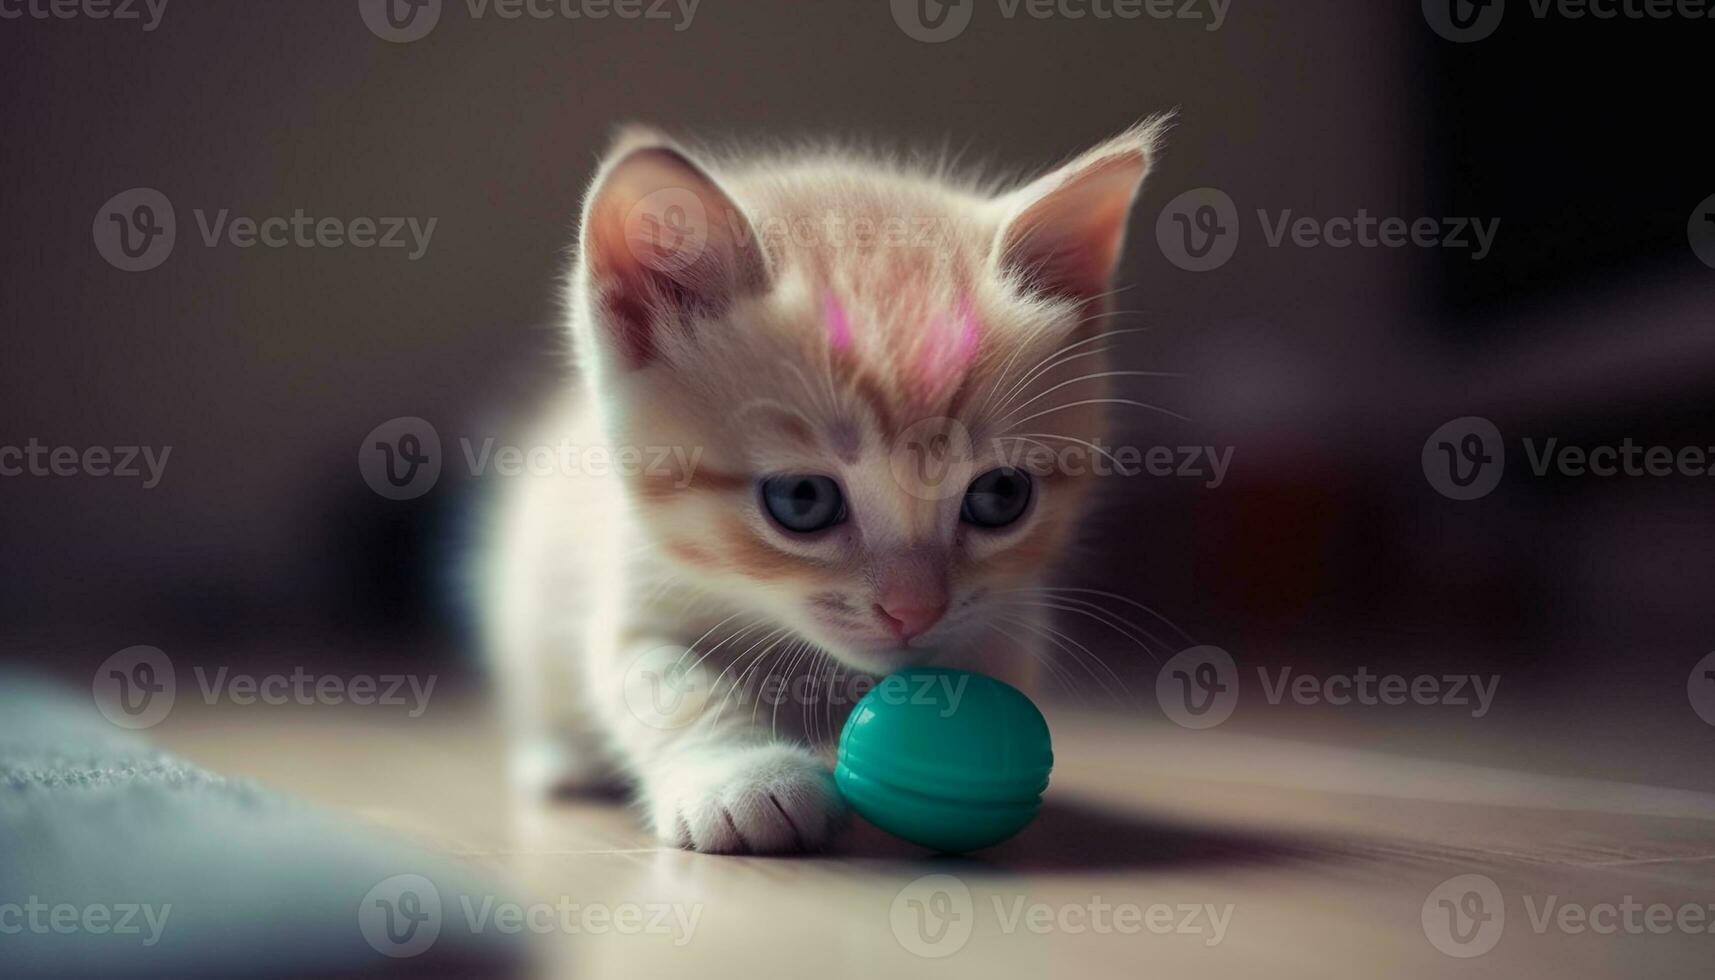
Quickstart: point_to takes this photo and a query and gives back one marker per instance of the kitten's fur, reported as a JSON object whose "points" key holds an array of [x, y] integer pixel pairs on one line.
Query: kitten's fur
{"points": [[784, 340]]}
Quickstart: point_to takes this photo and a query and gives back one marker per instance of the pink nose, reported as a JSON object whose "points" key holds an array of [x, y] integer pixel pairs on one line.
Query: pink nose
{"points": [[907, 621]]}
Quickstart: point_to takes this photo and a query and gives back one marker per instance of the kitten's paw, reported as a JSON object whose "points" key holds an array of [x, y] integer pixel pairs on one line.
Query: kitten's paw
{"points": [[770, 799]]}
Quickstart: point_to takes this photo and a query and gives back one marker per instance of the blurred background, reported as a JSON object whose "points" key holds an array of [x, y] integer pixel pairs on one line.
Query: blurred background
{"points": [[1590, 320]]}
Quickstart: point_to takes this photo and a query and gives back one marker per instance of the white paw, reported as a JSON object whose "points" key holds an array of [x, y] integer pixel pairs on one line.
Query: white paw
{"points": [[769, 799]]}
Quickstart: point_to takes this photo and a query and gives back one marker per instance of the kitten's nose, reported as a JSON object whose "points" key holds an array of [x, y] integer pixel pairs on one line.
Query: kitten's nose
{"points": [[910, 617]]}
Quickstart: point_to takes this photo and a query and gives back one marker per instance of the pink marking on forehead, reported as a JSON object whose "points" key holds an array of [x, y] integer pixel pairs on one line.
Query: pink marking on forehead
{"points": [[837, 323], [950, 347]]}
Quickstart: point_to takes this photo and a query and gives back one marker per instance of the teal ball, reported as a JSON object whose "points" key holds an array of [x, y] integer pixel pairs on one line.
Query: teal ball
{"points": [[948, 759]]}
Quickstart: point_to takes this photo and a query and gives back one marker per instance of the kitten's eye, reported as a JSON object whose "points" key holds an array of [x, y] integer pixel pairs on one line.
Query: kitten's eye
{"points": [[997, 498], [803, 503]]}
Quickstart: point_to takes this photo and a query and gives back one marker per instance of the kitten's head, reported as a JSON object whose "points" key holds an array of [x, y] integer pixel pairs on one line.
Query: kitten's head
{"points": [[877, 374]]}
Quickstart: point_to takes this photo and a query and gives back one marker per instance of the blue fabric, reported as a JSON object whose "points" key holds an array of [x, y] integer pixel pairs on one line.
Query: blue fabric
{"points": [[99, 829]]}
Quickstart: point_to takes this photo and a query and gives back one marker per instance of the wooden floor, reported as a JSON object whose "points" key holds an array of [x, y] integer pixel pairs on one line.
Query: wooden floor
{"points": [[1162, 853]]}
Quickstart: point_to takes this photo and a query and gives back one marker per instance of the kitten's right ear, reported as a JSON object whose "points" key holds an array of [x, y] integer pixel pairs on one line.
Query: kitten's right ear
{"points": [[663, 244], [1065, 230]]}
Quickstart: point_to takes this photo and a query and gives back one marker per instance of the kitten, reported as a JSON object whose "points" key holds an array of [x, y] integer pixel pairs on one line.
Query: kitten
{"points": [[818, 381]]}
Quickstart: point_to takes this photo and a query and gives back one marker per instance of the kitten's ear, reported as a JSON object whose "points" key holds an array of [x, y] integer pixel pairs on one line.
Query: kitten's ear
{"points": [[1064, 231], [663, 244]]}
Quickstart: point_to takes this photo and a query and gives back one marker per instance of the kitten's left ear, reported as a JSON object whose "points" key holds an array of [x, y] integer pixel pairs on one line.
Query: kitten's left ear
{"points": [[1064, 231], [663, 244]]}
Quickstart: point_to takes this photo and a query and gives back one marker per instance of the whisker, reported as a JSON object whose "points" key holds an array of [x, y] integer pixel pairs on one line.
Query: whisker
{"points": [[753, 625], [1120, 598], [1088, 377], [1031, 372], [1117, 623], [1038, 369], [1103, 401], [1089, 445], [1061, 640], [794, 654], [1055, 670], [772, 639]]}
